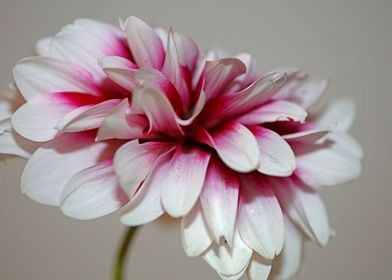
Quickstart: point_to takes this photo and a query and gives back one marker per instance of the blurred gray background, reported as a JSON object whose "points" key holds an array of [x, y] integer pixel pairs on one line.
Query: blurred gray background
{"points": [[350, 42]]}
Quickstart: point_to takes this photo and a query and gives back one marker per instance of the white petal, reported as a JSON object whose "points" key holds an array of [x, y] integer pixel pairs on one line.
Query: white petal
{"points": [[133, 162], [260, 217], [237, 147], [289, 261], [41, 48], [146, 205], [276, 156], [145, 44], [310, 136], [42, 75], [279, 110], [48, 170], [305, 208], [13, 144], [195, 236], [92, 193], [219, 200], [259, 268], [229, 260], [341, 111], [91, 118], [346, 144], [183, 180], [327, 167]]}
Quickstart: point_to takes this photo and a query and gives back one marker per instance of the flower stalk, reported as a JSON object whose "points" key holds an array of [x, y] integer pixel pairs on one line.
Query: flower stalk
{"points": [[119, 263]]}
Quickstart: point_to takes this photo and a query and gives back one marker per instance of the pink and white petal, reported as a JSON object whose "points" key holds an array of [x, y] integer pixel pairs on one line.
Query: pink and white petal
{"points": [[187, 50], [200, 64], [278, 110], [260, 219], [259, 268], [229, 260], [37, 119], [48, 170], [237, 104], [304, 92], [219, 73], [305, 208], [156, 106], [115, 125], [219, 200], [41, 48], [116, 62], [91, 118], [195, 111], [288, 262], [173, 70], [310, 136], [146, 46], [133, 162], [13, 144], [327, 167], [276, 156], [92, 193], [183, 180], [341, 111], [251, 74], [237, 147], [194, 232], [146, 205], [42, 75]]}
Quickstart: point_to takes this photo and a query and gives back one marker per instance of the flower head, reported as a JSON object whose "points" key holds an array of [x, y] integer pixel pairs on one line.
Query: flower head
{"points": [[140, 117]]}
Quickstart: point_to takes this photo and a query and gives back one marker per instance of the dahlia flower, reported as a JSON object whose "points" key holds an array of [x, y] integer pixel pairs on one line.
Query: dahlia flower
{"points": [[138, 118]]}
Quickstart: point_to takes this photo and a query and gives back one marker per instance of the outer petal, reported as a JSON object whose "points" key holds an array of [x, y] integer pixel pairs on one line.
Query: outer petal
{"points": [[219, 73], [133, 162], [183, 180], [342, 112], [89, 119], [92, 193], [260, 218], [42, 75], [326, 167], [279, 110], [229, 260], [237, 147], [289, 261], [259, 268], [194, 232], [145, 44], [276, 156], [12, 143], [146, 205], [158, 110], [305, 208], [219, 200], [48, 170], [41, 48]]}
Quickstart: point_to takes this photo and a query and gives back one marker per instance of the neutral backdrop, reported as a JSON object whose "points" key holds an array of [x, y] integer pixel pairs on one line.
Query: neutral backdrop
{"points": [[350, 42]]}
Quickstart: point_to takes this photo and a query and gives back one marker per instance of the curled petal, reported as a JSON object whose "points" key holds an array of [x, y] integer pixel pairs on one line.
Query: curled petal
{"points": [[259, 268]]}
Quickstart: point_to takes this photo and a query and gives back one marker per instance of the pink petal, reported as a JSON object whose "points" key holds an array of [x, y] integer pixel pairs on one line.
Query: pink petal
{"points": [[187, 50], [229, 260], [326, 167], [219, 200], [305, 208], [237, 147], [279, 110], [184, 179], [195, 236], [219, 73], [133, 162], [92, 193], [42, 75], [158, 110], [146, 205], [173, 69], [116, 125], [145, 44], [259, 206], [276, 156], [89, 119], [48, 171]]}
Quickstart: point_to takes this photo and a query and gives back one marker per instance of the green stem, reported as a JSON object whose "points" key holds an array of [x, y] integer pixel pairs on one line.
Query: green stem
{"points": [[119, 264]]}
